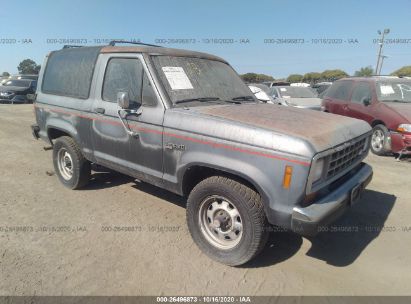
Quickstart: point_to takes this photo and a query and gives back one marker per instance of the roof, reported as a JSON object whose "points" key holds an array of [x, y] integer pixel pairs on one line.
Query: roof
{"points": [[159, 51], [151, 50]]}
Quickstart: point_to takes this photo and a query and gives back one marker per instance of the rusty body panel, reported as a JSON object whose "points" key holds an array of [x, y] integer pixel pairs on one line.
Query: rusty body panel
{"points": [[161, 142], [291, 123]]}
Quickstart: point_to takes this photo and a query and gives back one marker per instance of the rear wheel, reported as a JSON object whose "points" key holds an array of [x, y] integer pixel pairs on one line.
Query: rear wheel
{"points": [[72, 168], [379, 140], [226, 220]]}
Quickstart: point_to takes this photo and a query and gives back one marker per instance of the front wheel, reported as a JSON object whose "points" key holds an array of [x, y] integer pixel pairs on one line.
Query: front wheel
{"points": [[226, 220], [379, 140]]}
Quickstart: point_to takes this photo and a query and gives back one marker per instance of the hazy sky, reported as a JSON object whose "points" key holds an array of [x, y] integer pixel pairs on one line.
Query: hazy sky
{"points": [[238, 31]]}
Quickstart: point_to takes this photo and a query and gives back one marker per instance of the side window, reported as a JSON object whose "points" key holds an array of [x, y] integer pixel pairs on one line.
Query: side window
{"points": [[123, 75], [340, 90], [274, 92], [361, 90]]}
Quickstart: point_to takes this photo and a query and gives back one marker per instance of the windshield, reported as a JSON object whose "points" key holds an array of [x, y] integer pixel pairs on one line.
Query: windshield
{"points": [[200, 81], [397, 90], [296, 92], [18, 83]]}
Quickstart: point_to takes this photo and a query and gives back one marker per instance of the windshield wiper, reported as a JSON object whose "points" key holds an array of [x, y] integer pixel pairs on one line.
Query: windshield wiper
{"points": [[243, 98], [201, 99]]}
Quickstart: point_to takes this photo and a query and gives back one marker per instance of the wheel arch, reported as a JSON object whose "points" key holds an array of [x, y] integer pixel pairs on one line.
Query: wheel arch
{"points": [[195, 173], [56, 129], [377, 122]]}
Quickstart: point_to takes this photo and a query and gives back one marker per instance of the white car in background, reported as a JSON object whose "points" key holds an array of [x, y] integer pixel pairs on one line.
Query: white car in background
{"points": [[261, 92], [300, 84]]}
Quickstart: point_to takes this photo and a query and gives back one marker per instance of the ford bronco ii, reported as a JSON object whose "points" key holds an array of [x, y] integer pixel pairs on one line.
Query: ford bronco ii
{"points": [[185, 121]]}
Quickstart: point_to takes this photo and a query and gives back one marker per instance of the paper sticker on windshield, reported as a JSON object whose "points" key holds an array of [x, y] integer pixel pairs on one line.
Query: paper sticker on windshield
{"points": [[386, 90], [177, 78]]}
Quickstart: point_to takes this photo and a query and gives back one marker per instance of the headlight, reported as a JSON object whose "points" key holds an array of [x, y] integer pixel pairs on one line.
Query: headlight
{"points": [[318, 169], [404, 128]]}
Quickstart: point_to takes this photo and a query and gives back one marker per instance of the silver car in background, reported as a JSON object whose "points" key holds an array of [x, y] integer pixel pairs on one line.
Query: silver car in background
{"points": [[299, 97]]}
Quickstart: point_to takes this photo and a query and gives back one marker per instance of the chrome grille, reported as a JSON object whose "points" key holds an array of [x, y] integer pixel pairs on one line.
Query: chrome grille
{"points": [[345, 157]]}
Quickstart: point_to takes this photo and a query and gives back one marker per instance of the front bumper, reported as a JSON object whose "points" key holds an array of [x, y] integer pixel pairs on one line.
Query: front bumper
{"points": [[309, 220], [13, 99], [400, 143], [5, 100]]}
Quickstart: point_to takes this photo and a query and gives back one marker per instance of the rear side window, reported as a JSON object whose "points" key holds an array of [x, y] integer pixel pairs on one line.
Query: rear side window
{"points": [[340, 90], [69, 72]]}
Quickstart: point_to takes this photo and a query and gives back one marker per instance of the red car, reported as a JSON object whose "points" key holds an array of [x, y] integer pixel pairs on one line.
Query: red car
{"points": [[383, 101]]}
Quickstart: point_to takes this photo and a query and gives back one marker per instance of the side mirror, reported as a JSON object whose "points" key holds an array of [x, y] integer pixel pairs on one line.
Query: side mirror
{"points": [[123, 100], [366, 101]]}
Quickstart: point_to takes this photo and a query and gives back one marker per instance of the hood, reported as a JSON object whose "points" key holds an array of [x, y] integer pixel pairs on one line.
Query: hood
{"points": [[12, 89], [288, 129], [303, 102], [402, 109]]}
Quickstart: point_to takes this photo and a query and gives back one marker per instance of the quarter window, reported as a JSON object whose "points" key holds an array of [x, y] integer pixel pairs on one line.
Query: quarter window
{"points": [[69, 72], [149, 97]]}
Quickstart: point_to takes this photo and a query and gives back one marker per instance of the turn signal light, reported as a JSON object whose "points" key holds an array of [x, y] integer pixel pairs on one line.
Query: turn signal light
{"points": [[288, 172]]}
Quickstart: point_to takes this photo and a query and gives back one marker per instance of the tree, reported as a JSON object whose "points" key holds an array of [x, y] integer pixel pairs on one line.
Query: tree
{"points": [[28, 66], [5, 74], [253, 77], [364, 72], [331, 75], [404, 71], [312, 77], [294, 78]]}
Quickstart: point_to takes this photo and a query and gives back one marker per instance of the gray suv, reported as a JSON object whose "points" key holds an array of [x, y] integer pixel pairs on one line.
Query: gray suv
{"points": [[185, 121]]}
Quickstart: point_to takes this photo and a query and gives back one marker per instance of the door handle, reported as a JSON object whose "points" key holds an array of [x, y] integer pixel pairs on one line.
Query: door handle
{"points": [[100, 110]]}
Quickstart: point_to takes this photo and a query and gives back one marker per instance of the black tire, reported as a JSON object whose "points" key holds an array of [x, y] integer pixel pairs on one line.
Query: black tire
{"points": [[80, 166], [379, 140], [247, 202]]}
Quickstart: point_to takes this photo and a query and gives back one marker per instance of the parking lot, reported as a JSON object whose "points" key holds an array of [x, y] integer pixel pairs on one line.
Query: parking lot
{"points": [[121, 237]]}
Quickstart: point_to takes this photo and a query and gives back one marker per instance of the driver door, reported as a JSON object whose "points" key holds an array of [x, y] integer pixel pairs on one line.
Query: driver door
{"points": [[139, 155]]}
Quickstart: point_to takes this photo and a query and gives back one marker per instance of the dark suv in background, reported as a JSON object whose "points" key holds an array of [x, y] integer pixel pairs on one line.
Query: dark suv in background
{"points": [[16, 90], [382, 101]]}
